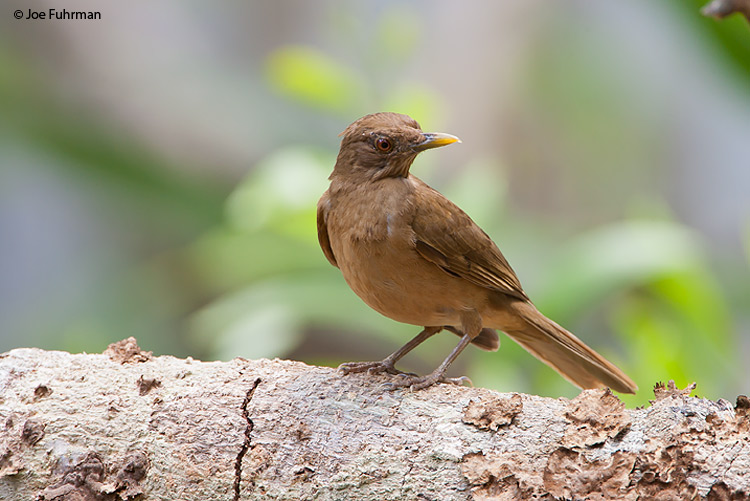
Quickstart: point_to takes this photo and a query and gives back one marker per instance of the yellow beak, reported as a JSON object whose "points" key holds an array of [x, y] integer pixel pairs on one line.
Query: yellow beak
{"points": [[435, 140]]}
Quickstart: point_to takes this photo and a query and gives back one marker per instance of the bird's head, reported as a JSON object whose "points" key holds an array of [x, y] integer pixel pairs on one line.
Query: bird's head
{"points": [[384, 145]]}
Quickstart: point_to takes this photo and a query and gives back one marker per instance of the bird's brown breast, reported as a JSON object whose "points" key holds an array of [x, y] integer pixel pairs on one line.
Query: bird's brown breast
{"points": [[371, 235]]}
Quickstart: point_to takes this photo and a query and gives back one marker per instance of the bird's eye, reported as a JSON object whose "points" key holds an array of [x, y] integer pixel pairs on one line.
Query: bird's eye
{"points": [[383, 144]]}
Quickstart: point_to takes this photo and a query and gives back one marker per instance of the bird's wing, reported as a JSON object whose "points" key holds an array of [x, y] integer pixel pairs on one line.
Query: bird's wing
{"points": [[446, 236], [325, 243]]}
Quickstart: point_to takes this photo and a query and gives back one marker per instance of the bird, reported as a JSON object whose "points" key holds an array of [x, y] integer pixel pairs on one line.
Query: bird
{"points": [[415, 257]]}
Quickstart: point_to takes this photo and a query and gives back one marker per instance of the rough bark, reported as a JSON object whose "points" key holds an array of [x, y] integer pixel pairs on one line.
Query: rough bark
{"points": [[126, 425]]}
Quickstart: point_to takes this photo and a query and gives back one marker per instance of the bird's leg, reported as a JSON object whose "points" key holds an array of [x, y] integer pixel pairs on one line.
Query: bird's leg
{"points": [[388, 364], [438, 375]]}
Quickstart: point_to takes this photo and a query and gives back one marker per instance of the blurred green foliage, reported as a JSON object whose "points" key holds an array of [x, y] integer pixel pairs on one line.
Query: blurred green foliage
{"points": [[244, 276], [315, 79]]}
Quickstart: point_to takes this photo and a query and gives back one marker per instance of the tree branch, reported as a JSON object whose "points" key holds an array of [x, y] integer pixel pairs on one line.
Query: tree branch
{"points": [[127, 425], [719, 9]]}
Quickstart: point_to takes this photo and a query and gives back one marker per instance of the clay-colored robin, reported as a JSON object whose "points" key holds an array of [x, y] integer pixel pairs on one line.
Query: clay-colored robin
{"points": [[414, 256]]}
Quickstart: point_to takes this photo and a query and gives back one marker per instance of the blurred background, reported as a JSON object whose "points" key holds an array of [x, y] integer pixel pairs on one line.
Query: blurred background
{"points": [[159, 170]]}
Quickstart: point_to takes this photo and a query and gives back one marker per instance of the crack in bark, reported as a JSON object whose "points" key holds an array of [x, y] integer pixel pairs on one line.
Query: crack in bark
{"points": [[246, 443]]}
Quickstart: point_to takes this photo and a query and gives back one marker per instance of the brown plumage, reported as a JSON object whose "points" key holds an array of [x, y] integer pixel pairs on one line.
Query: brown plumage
{"points": [[414, 256]]}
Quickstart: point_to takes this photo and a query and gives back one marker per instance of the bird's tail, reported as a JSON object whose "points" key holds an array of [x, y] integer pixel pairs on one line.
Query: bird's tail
{"points": [[565, 353]]}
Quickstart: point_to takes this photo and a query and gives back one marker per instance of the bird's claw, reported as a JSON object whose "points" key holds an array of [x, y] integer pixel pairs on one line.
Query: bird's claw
{"points": [[414, 382], [402, 379], [369, 367]]}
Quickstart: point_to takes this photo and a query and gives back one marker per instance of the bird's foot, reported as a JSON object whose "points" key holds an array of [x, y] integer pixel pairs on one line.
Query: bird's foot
{"points": [[414, 382], [372, 368]]}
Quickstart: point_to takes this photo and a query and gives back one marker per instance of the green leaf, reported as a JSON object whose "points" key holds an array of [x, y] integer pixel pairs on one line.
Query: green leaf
{"points": [[313, 78], [316, 297], [289, 181], [615, 257]]}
